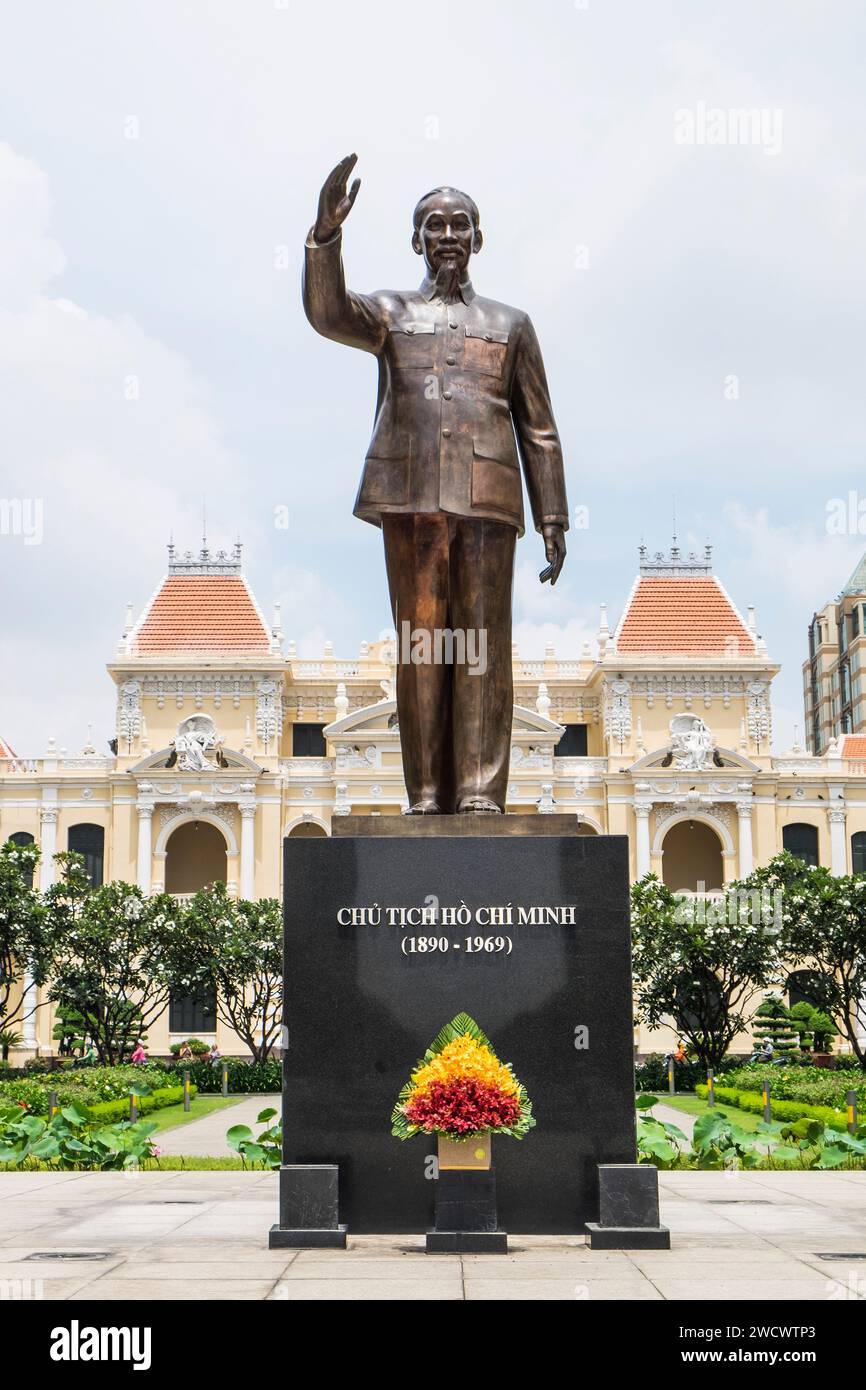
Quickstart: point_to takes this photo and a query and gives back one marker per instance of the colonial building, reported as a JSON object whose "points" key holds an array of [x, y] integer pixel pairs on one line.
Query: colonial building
{"points": [[225, 743], [833, 691]]}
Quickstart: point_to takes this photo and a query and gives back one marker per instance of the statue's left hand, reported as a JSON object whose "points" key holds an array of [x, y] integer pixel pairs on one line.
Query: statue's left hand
{"points": [[554, 549]]}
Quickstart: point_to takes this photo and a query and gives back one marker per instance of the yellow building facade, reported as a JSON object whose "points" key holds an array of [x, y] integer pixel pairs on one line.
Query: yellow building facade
{"points": [[227, 741]]}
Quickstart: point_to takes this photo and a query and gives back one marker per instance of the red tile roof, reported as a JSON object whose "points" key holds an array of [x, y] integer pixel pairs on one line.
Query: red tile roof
{"points": [[6, 751], [201, 613], [683, 616], [854, 746]]}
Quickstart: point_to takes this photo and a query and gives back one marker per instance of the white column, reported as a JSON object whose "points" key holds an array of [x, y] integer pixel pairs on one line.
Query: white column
{"points": [[47, 844], [642, 842], [145, 848], [29, 1002], [248, 862], [746, 853], [838, 856]]}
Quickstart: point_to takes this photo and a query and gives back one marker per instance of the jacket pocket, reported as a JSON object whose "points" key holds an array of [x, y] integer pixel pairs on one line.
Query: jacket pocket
{"points": [[412, 344], [386, 480], [484, 351], [496, 485]]}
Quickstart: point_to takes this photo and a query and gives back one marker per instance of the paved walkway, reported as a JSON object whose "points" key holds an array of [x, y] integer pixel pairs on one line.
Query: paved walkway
{"points": [[207, 1137], [110, 1236], [669, 1115]]}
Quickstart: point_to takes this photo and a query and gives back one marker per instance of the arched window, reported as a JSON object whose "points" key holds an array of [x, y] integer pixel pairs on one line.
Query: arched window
{"points": [[858, 852], [23, 837], [802, 841], [89, 841], [807, 986]]}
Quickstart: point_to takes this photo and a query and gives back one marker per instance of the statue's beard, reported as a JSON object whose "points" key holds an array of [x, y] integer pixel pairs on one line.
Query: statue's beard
{"points": [[448, 281]]}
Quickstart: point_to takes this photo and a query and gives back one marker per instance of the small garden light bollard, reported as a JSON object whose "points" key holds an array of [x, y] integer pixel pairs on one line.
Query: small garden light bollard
{"points": [[711, 1088], [225, 1070], [672, 1085], [768, 1110], [186, 1090], [52, 1105], [133, 1108], [851, 1103]]}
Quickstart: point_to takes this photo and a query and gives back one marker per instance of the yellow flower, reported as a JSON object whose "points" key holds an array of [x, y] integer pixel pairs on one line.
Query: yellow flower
{"points": [[464, 1057]]}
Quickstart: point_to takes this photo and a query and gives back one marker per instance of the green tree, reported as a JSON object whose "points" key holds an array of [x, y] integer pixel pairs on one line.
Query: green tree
{"points": [[24, 944], [697, 963], [236, 950], [824, 927], [116, 955]]}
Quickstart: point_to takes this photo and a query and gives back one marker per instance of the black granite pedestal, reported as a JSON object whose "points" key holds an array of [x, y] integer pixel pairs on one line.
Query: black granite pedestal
{"points": [[394, 928], [466, 1219], [309, 1207], [628, 1209]]}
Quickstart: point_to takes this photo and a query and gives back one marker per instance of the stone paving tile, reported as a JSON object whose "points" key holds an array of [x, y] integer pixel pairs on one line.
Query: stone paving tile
{"points": [[165, 1290], [363, 1290], [559, 1290], [434, 1269], [198, 1271]]}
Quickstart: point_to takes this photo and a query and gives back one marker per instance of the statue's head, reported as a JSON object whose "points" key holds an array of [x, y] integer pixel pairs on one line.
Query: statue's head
{"points": [[447, 230]]}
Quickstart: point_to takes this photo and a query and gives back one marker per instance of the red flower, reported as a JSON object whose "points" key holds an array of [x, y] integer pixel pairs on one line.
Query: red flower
{"points": [[463, 1106]]}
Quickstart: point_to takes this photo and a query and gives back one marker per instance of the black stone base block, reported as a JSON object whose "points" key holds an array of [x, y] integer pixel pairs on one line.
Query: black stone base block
{"points": [[280, 1237], [467, 1242], [628, 1237], [466, 1200], [628, 1206], [309, 1207]]}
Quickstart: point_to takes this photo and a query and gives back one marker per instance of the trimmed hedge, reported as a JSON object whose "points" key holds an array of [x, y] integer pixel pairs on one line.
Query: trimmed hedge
{"points": [[111, 1110], [752, 1101], [245, 1078], [810, 1086], [652, 1074]]}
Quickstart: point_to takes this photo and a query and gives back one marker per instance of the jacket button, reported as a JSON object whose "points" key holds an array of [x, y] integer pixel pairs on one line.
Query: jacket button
{"points": [[488, 337], [410, 329], [446, 395], [449, 361], [446, 434], [452, 324]]}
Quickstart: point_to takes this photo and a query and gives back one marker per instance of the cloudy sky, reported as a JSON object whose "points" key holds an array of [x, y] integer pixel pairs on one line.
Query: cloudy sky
{"points": [[698, 291]]}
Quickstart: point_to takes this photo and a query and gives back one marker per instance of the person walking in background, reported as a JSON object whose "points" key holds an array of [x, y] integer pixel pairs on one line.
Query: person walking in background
{"points": [[185, 1053], [214, 1055], [139, 1055]]}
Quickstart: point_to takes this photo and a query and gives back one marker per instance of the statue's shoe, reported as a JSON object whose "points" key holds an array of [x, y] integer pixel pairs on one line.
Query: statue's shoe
{"points": [[479, 806], [424, 808]]}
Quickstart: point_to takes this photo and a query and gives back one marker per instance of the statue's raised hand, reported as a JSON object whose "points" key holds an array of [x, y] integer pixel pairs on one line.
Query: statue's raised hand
{"points": [[335, 201]]}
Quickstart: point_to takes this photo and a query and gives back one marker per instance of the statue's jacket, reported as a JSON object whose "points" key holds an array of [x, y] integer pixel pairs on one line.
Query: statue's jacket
{"points": [[462, 397]]}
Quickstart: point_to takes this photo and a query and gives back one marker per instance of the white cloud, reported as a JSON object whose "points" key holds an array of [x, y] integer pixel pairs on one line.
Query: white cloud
{"points": [[808, 564], [114, 435]]}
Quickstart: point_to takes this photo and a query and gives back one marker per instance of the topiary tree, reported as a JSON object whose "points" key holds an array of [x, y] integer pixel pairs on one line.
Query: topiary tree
{"points": [[773, 1020], [824, 1030], [802, 1015]]}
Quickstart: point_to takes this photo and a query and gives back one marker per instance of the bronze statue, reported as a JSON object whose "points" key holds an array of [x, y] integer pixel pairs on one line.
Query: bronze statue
{"points": [[459, 378]]}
